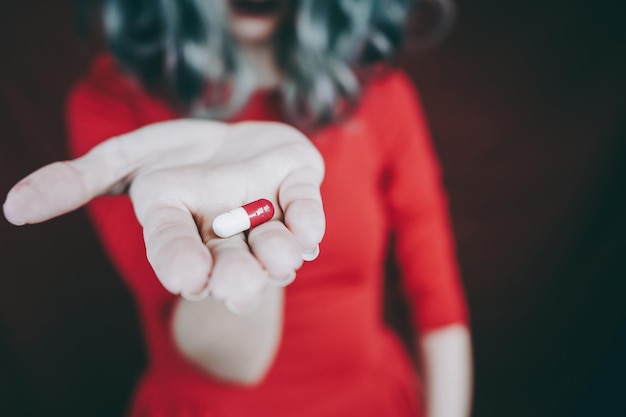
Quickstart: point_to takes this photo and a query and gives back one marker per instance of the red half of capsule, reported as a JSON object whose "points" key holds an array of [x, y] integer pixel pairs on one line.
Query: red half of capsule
{"points": [[259, 211]]}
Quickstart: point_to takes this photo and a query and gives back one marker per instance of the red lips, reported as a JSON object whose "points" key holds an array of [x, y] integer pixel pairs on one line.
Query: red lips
{"points": [[255, 7]]}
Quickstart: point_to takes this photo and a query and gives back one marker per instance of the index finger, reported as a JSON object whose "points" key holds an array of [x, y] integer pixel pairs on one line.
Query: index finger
{"points": [[61, 187], [175, 249], [56, 189]]}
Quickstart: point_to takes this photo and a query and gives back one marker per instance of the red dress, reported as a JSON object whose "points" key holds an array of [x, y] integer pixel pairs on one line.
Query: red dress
{"points": [[337, 357]]}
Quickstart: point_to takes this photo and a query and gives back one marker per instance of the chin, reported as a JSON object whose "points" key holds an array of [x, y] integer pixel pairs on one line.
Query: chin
{"points": [[255, 21]]}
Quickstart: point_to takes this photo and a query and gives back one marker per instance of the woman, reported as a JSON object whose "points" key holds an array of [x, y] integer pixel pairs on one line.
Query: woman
{"points": [[243, 339]]}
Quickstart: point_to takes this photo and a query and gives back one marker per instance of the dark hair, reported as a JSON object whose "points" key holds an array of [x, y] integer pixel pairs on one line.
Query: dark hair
{"points": [[184, 46]]}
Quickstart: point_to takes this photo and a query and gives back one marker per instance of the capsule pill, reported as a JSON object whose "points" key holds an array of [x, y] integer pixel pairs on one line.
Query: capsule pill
{"points": [[243, 218]]}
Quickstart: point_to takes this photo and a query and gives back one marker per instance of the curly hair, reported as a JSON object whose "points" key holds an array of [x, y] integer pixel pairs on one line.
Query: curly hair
{"points": [[185, 48]]}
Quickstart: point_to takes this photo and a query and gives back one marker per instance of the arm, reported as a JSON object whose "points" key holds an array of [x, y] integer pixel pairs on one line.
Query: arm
{"points": [[175, 176], [446, 357], [425, 251], [236, 348], [175, 203]]}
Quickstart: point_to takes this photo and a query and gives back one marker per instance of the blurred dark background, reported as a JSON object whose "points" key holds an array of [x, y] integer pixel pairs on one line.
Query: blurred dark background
{"points": [[527, 103]]}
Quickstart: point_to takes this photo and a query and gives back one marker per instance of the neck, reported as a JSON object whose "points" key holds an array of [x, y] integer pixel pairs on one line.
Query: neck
{"points": [[262, 59]]}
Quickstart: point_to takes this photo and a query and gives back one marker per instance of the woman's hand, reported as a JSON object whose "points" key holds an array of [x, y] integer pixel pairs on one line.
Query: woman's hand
{"points": [[180, 175]]}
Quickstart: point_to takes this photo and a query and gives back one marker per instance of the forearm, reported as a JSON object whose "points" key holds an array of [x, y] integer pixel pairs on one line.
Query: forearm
{"points": [[236, 348], [448, 372]]}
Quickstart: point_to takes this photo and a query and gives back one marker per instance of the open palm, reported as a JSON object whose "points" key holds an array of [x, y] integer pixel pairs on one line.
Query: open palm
{"points": [[180, 175]]}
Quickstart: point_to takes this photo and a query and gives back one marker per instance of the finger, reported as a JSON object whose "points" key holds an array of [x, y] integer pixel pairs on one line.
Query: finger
{"points": [[175, 249], [237, 277], [277, 250], [61, 187], [300, 198], [55, 189], [64, 186]]}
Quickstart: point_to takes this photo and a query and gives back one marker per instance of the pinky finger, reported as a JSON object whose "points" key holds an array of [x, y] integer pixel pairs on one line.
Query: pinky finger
{"points": [[301, 201]]}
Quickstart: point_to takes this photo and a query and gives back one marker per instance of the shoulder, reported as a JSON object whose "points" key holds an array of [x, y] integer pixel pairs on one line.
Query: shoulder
{"points": [[107, 102], [106, 87], [103, 79], [100, 105], [391, 108], [389, 86], [390, 99]]}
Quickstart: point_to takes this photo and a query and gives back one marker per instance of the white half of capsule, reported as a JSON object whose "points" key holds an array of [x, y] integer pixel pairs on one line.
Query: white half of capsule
{"points": [[232, 222]]}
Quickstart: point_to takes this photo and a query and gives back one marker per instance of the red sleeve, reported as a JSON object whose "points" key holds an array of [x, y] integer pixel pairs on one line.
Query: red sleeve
{"points": [[99, 107], [419, 214], [103, 105]]}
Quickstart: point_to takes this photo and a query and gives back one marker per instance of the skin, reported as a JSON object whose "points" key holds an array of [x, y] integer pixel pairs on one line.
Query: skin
{"points": [[446, 356], [255, 30], [254, 35], [445, 352], [177, 188], [240, 348]]}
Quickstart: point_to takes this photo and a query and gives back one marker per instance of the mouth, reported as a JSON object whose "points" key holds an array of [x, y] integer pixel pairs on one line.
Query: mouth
{"points": [[255, 7]]}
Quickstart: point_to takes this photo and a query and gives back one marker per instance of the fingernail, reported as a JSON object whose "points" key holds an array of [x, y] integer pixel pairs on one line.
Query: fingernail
{"points": [[198, 296], [283, 282], [242, 310], [309, 256]]}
